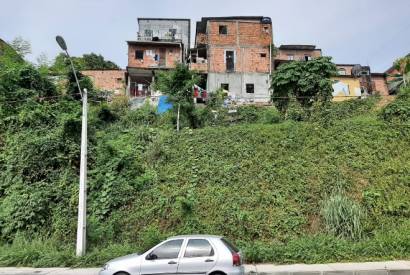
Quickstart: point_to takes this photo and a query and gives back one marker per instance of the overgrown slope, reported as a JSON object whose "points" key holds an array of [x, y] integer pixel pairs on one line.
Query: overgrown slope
{"points": [[263, 185]]}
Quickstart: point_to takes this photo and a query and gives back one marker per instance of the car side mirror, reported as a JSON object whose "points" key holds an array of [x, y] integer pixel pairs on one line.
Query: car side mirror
{"points": [[151, 257]]}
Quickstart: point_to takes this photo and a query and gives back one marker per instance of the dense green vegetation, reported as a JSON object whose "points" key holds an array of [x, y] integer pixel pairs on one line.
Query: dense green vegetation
{"points": [[326, 183], [304, 82]]}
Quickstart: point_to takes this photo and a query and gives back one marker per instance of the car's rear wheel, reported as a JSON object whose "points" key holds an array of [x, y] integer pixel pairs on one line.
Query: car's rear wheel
{"points": [[121, 273]]}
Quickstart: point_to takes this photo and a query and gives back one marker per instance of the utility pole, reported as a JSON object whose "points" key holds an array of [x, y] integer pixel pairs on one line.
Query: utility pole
{"points": [[82, 194], [178, 118]]}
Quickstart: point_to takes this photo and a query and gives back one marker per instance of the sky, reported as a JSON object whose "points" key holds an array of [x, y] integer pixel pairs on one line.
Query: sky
{"points": [[366, 32]]}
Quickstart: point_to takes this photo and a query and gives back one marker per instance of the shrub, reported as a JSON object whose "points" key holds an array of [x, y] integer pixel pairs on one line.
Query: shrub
{"points": [[120, 104], [399, 110], [295, 111], [334, 111], [270, 115], [248, 113], [343, 217], [145, 115]]}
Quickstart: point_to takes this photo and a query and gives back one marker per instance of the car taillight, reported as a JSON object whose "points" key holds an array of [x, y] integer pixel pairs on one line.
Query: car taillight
{"points": [[236, 259]]}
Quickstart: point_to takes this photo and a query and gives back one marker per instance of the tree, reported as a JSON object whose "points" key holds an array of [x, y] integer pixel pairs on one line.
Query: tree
{"points": [[93, 61], [307, 81], [61, 64], [8, 55], [402, 79], [177, 84], [21, 46], [85, 83]]}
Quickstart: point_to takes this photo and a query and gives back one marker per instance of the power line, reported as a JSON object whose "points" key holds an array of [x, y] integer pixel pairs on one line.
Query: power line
{"points": [[38, 98]]}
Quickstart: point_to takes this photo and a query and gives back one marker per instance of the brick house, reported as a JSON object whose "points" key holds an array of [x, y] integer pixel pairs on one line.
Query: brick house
{"points": [[370, 83], [107, 80], [380, 83], [161, 43], [234, 53], [287, 53], [353, 80]]}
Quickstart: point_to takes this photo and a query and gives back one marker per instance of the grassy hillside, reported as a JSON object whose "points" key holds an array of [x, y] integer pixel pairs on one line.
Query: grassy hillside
{"points": [[266, 186]]}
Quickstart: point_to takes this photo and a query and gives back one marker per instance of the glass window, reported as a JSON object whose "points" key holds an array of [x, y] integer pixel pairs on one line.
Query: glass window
{"points": [[291, 57], [168, 250], [198, 248], [230, 246]]}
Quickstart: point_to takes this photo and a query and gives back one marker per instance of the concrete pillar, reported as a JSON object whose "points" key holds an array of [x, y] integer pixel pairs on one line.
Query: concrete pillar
{"points": [[127, 92]]}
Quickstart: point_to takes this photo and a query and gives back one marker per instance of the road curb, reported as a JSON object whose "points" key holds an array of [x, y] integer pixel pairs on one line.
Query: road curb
{"points": [[367, 268]]}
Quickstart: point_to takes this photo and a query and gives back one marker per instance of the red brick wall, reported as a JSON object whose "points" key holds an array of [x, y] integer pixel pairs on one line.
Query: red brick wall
{"points": [[380, 85], [248, 39], [348, 69], [201, 38], [172, 53], [110, 80], [298, 54], [393, 72], [201, 67], [214, 38], [255, 34]]}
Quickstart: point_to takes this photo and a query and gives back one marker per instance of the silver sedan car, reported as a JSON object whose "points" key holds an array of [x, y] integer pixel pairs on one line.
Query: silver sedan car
{"points": [[181, 255]]}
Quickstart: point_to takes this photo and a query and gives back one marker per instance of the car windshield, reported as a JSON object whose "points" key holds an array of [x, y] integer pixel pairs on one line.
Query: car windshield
{"points": [[230, 246]]}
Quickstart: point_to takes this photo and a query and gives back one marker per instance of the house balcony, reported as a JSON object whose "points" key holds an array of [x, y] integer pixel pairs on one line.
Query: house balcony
{"points": [[161, 36], [200, 66]]}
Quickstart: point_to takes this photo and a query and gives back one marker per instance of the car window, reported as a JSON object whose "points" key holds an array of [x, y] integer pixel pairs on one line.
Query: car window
{"points": [[168, 250], [230, 246], [198, 248]]}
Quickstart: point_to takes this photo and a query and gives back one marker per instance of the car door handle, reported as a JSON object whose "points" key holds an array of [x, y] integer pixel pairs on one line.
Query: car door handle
{"points": [[172, 262], [209, 260]]}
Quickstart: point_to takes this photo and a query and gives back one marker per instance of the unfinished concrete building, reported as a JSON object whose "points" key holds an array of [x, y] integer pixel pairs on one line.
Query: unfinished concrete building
{"points": [[234, 53], [160, 44]]}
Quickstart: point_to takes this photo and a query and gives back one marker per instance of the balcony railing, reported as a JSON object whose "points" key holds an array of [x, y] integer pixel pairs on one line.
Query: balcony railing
{"points": [[162, 36]]}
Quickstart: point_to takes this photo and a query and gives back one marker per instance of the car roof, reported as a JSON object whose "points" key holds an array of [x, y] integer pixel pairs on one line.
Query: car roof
{"points": [[196, 236]]}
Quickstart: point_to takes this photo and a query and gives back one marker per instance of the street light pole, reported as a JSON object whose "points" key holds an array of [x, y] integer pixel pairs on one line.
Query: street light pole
{"points": [[82, 198], [82, 195]]}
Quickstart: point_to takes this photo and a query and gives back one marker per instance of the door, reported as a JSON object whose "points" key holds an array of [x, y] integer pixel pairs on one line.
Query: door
{"points": [[230, 61], [163, 259], [162, 57], [198, 258]]}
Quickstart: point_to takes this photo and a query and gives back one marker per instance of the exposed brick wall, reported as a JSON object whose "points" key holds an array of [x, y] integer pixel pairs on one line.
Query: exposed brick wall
{"points": [[348, 69], [251, 33], [201, 39], [380, 85], [109, 80], [298, 54], [201, 67], [214, 38], [391, 71], [172, 56], [249, 40], [246, 59]]}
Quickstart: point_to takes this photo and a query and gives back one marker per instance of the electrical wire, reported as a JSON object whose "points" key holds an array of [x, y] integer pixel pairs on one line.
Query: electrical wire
{"points": [[39, 98]]}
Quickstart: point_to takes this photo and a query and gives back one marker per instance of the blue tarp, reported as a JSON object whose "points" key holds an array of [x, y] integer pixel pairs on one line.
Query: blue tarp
{"points": [[163, 104]]}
